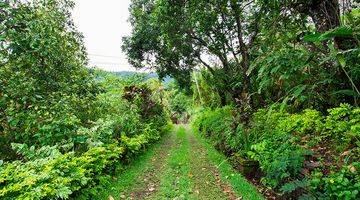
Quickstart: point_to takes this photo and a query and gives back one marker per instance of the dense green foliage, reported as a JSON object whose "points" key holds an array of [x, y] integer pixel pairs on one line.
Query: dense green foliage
{"points": [[257, 52], [252, 48], [46, 92], [306, 150], [275, 86], [55, 175], [64, 128], [220, 126], [179, 103], [58, 171]]}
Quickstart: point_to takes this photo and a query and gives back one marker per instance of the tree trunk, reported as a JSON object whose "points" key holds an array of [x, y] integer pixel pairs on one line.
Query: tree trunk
{"points": [[222, 97], [246, 88], [325, 14], [244, 98]]}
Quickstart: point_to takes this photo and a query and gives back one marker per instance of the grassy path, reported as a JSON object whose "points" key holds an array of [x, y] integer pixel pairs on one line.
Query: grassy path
{"points": [[182, 166]]}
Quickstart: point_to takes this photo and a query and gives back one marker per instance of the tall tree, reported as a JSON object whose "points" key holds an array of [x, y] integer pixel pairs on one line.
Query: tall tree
{"points": [[247, 46], [219, 35], [45, 89]]}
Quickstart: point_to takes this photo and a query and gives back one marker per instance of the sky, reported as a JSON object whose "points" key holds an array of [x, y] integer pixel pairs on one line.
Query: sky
{"points": [[103, 24]]}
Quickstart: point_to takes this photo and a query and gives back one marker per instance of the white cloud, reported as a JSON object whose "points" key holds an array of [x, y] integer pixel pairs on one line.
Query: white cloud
{"points": [[104, 23]]}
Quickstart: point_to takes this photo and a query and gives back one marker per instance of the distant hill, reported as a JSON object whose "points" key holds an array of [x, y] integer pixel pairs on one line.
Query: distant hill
{"points": [[166, 80]]}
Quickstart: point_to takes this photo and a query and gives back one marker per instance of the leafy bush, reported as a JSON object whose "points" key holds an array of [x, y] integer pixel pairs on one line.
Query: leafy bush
{"points": [[57, 175], [217, 125], [284, 144], [179, 103], [222, 126], [343, 184], [342, 127], [279, 157], [287, 138], [54, 172]]}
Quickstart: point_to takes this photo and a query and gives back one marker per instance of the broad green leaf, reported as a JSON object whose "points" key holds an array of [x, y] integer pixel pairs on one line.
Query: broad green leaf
{"points": [[312, 37], [337, 32], [341, 59], [299, 90]]}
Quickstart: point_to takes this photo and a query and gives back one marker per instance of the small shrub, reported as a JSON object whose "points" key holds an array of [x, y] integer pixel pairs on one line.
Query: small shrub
{"points": [[343, 184], [56, 176]]}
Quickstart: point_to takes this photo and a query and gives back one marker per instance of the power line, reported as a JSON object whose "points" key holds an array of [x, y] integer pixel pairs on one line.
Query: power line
{"points": [[105, 56], [108, 63]]}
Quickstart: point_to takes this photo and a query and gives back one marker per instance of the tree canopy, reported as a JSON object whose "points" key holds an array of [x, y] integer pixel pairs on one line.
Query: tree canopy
{"points": [[243, 44]]}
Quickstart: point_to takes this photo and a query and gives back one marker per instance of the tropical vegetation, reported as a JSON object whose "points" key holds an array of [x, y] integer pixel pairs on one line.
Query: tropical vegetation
{"points": [[274, 86]]}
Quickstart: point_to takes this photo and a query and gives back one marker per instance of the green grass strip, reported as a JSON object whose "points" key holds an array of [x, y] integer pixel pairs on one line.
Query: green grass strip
{"points": [[240, 185], [126, 179], [176, 183]]}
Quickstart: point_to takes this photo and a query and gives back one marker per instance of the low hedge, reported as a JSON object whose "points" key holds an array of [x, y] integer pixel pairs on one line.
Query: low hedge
{"points": [[50, 174]]}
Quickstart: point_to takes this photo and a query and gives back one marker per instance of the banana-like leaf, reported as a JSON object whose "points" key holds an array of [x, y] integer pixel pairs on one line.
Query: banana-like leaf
{"points": [[337, 32]]}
